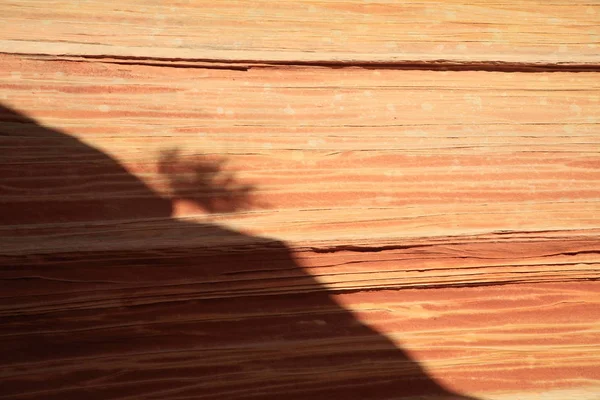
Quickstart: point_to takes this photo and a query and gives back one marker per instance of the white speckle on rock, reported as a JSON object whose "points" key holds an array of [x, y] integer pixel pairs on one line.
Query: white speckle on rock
{"points": [[104, 108], [475, 100], [316, 142], [427, 106], [220, 110], [289, 110]]}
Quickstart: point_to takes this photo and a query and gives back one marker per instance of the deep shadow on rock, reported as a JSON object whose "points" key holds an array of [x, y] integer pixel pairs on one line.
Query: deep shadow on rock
{"points": [[110, 297]]}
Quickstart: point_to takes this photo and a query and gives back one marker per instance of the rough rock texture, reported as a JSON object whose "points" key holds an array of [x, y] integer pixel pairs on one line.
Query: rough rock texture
{"points": [[336, 200], [528, 31]]}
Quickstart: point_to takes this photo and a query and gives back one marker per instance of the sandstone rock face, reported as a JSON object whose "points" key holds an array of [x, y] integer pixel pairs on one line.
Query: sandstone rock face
{"points": [[330, 200]]}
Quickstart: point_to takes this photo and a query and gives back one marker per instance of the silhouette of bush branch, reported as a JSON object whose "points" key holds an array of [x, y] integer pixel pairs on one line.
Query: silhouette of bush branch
{"points": [[204, 182]]}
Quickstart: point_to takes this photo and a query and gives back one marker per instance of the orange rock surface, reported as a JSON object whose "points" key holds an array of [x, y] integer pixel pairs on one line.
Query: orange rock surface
{"points": [[528, 31], [336, 200]]}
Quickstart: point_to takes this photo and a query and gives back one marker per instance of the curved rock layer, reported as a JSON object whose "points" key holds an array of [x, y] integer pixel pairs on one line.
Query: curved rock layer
{"points": [[218, 221]]}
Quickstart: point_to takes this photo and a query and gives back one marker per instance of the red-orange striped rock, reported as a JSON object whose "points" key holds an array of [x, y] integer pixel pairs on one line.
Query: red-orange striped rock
{"points": [[174, 227]]}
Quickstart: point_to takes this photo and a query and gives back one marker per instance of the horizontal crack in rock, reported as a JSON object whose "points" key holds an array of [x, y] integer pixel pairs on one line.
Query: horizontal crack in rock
{"points": [[245, 64]]}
